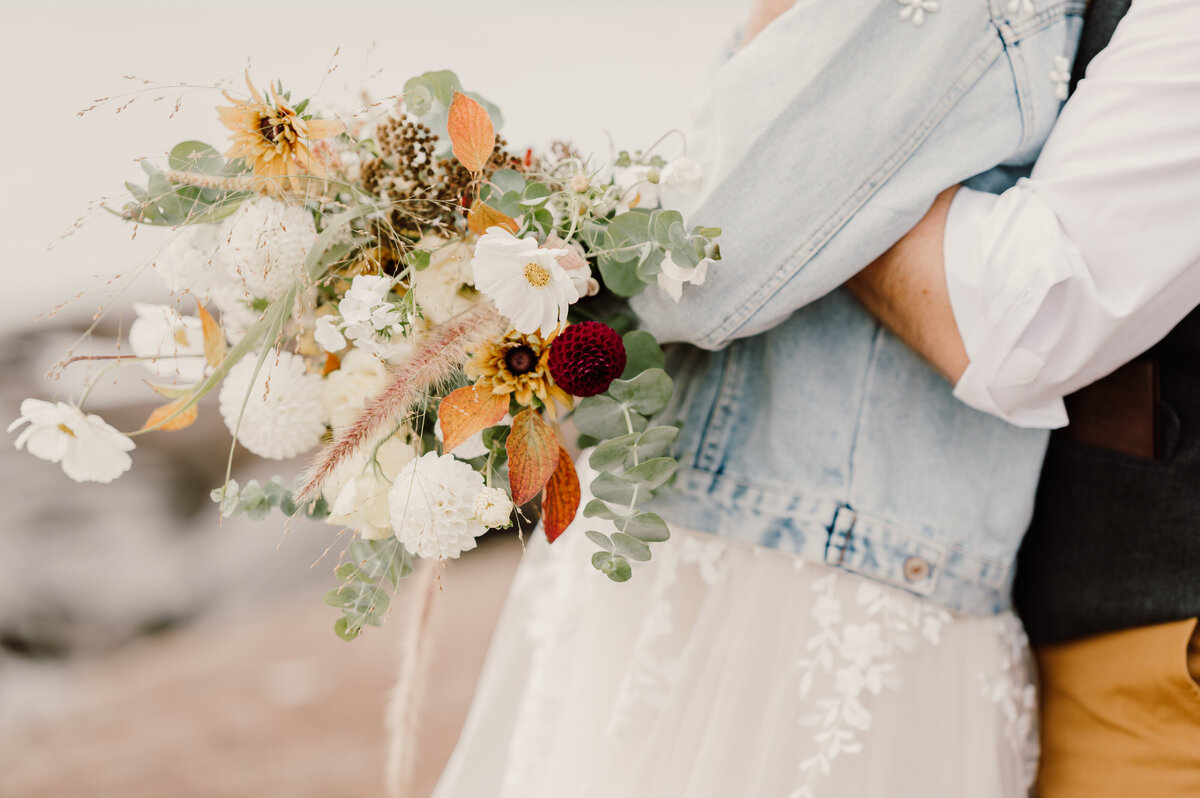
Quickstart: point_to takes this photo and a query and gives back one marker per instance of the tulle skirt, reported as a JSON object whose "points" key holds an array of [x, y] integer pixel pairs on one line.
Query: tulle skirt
{"points": [[722, 669]]}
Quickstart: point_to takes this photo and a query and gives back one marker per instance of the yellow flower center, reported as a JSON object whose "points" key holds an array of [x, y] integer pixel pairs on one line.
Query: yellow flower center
{"points": [[536, 275], [66, 429]]}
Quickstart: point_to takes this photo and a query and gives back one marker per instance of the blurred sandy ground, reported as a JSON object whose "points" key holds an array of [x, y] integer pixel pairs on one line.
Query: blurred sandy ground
{"points": [[146, 650]]}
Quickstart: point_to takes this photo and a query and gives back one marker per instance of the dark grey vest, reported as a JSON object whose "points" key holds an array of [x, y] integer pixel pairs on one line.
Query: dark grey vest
{"points": [[1115, 537]]}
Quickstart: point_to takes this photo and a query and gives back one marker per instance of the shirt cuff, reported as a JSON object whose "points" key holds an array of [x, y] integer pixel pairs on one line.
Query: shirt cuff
{"points": [[997, 283]]}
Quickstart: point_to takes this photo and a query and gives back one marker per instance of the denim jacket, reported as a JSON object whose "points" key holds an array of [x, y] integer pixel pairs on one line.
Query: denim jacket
{"points": [[806, 425]]}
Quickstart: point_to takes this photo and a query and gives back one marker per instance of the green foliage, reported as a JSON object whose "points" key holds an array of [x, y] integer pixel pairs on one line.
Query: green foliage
{"points": [[428, 96], [256, 500], [363, 597], [168, 203]]}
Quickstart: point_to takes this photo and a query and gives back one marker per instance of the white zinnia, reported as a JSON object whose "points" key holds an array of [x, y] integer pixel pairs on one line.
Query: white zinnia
{"points": [[186, 264], [526, 282], [432, 506], [264, 244], [88, 449], [284, 414], [345, 392], [358, 489], [673, 276], [175, 343], [438, 287], [493, 508]]}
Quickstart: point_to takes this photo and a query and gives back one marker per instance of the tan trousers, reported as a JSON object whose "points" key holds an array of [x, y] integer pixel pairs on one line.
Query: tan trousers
{"points": [[1121, 714]]}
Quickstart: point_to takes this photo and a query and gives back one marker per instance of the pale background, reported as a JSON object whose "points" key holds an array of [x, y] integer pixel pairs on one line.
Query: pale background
{"points": [[145, 650]]}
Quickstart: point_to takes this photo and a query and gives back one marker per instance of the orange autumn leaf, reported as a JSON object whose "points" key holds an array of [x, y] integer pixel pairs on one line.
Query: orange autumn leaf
{"points": [[533, 453], [332, 364], [214, 338], [467, 411], [161, 414], [472, 136], [483, 216], [561, 500]]}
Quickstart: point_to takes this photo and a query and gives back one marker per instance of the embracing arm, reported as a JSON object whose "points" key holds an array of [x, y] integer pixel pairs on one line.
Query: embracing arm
{"points": [[1026, 297]]}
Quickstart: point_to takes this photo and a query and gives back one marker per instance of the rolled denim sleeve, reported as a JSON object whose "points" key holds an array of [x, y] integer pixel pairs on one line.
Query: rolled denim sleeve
{"points": [[827, 139], [1093, 259]]}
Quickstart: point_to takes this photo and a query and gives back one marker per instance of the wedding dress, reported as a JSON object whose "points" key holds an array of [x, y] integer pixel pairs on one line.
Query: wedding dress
{"points": [[726, 669]]}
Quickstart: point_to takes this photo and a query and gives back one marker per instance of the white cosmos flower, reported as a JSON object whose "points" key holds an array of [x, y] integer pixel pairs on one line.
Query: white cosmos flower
{"points": [[284, 414], [88, 449], [673, 276], [358, 489], [264, 244], [432, 506], [634, 187], [438, 288], [175, 342], [526, 282], [345, 392]]}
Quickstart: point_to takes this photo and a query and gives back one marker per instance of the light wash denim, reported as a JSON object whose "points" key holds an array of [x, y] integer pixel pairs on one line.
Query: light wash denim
{"points": [[810, 428]]}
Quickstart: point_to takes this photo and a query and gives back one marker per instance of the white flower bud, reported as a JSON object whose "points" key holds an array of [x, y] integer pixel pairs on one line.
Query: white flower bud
{"points": [[580, 183], [493, 508]]}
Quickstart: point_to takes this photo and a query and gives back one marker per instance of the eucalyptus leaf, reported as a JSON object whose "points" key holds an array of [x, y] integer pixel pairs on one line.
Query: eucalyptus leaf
{"points": [[506, 180], [620, 276], [196, 156], [603, 417], [614, 489], [656, 442], [652, 473], [613, 453], [642, 352], [648, 527], [647, 393], [630, 547], [535, 194], [599, 509], [615, 567], [600, 539], [662, 223]]}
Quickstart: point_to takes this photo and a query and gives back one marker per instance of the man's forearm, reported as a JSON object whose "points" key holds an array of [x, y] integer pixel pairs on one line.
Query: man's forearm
{"points": [[906, 290]]}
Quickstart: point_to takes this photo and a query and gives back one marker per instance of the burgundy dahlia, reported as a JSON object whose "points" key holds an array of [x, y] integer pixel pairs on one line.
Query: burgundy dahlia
{"points": [[586, 357]]}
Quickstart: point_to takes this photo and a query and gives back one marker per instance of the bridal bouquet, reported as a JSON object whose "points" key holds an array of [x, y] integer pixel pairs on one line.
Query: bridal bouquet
{"points": [[418, 306]]}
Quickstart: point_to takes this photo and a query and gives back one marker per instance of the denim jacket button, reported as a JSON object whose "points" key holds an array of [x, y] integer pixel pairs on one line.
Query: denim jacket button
{"points": [[916, 569]]}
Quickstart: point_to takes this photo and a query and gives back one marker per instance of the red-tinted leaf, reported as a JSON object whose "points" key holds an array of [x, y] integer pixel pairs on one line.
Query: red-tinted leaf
{"points": [[472, 135], [561, 500], [467, 411], [532, 455]]}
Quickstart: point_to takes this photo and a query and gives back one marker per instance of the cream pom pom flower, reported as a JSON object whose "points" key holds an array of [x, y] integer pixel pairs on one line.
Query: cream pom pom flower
{"points": [[526, 282], [88, 449], [493, 508], [345, 392], [284, 414], [359, 489], [187, 263], [438, 288], [264, 244], [175, 343], [432, 506]]}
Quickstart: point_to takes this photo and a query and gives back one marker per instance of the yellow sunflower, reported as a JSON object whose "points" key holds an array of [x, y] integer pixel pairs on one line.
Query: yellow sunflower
{"points": [[274, 139], [518, 364]]}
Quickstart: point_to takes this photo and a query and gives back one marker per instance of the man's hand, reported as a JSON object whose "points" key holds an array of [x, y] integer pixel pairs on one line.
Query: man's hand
{"points": [[906, 290]]}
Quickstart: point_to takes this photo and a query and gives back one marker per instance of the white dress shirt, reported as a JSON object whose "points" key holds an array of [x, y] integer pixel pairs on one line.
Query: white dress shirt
{"points": [[1093, 259]]}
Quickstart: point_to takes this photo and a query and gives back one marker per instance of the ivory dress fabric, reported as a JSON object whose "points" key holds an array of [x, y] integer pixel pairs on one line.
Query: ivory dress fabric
{"points": [[726, 669]]}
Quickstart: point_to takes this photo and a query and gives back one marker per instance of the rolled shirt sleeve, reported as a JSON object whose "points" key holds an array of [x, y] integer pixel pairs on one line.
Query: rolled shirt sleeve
{"points": [[1094, 258]]}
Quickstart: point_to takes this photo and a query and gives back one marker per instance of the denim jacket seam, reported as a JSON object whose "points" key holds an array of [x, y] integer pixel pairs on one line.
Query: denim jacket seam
{"points": [[867, 381], [714, 435], [795, 261], [919, 532]]}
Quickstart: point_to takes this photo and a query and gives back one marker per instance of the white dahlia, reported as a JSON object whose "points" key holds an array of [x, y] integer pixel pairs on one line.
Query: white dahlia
{"points": [[358, 490], [284, 414], [176, 343], [526, 282], [186, 264], [88, 449], [264, 244], [432, 506], [345, 392]]}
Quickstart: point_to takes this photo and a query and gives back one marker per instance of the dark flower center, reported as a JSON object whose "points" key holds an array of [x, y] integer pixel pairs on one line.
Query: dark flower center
{"points": [[520, 360], [267, 130]]}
